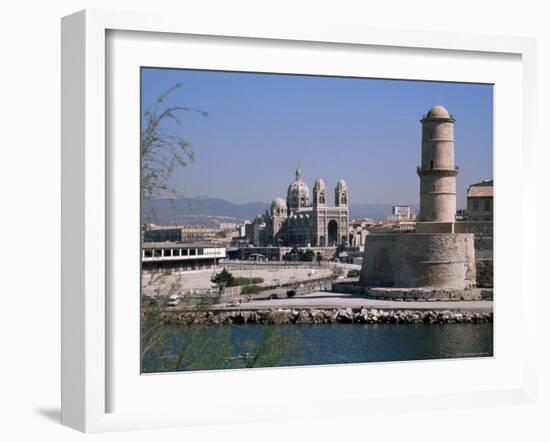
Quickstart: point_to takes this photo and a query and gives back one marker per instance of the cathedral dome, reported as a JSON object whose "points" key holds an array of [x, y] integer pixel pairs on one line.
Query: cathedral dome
{"points": [[298, 192], [438, 111], [278, 203]]}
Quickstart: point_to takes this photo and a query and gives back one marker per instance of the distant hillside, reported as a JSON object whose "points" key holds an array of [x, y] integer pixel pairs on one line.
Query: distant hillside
{"points": [[198, 210], [203, 210]]}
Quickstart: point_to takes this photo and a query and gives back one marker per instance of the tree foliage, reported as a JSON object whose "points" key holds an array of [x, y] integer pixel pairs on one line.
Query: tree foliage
{"points": [[163, 147], [194, 346], [167, 347], [297, 254], [223, 279], [226, 279]]}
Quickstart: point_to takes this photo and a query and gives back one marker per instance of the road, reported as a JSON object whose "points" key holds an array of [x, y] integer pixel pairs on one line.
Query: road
{"points": [[337, 300]]}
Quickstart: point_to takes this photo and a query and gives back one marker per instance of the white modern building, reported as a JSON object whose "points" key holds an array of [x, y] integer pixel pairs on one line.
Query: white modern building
{"points": [[175, 256]]}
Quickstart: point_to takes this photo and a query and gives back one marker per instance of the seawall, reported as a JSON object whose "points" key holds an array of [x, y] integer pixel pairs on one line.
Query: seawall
{"points": [[326, 316]]}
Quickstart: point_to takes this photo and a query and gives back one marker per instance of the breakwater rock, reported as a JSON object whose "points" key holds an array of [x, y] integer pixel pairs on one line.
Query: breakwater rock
{"points": [[326, 316]]}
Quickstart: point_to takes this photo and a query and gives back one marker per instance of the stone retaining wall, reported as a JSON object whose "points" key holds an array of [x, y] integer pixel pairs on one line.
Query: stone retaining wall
{"points": [[483, 244], [327, 316], [413, 294]]}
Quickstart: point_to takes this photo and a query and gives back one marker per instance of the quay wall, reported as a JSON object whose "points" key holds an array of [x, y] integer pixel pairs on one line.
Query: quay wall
{"points": [[326, 316]]}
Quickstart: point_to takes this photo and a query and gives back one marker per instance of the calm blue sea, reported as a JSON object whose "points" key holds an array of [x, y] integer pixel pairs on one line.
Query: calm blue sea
{"points": [[352, 343]]}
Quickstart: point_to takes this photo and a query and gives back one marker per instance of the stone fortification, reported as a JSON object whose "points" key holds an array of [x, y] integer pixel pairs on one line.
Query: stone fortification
{"points": [[483, 244], [419, 260], [437, 171], [441, 253]]}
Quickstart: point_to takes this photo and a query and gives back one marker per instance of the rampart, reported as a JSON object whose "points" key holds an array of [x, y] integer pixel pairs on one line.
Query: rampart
{"points": [[419, 260], [483, 244]]}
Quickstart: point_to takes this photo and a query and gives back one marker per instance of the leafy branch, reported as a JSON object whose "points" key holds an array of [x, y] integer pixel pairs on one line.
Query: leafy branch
{"points": [[163, 148]]}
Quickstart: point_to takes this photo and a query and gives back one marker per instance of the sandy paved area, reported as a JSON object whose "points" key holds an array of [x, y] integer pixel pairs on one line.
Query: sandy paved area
{"points": [[337, 300], [200, 279]]}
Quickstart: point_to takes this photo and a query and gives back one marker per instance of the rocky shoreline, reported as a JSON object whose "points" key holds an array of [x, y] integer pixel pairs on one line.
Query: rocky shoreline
{"points": [[325, 316]]}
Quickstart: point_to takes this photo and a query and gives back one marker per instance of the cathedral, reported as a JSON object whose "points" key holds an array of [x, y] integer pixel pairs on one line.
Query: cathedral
{"points": [[303, 221]]}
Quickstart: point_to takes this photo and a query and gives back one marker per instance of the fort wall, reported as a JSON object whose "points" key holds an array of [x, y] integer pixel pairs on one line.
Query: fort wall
{"points": [[483, 244], [419, 260]]}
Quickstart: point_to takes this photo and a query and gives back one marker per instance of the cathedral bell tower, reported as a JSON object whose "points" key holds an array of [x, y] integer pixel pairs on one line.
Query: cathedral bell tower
{"points": [[341, 194], [319, 193]]}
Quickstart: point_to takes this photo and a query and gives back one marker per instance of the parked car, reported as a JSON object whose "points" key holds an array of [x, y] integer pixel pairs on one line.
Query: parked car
{"points": [[291, 293], [173, 301], [273, 296]]}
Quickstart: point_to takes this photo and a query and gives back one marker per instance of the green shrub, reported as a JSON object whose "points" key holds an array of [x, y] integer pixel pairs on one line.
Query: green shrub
{"points": [[223, 279], [251, 289], [354, 273], [243, 280]]}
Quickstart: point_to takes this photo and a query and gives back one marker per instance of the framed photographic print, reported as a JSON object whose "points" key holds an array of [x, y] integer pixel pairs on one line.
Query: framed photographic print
{"points": [[271, 210]]}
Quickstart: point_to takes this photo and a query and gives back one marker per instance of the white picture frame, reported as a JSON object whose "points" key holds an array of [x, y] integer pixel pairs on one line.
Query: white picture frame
{"points": [[86, 315]]}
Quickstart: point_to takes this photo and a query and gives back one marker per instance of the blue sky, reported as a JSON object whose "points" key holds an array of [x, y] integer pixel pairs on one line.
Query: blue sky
{"points": [[366, 131]]}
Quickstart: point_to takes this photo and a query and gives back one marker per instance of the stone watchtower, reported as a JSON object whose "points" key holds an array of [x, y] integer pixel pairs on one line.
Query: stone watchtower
{"points": [[435, 255], [438, 171]]}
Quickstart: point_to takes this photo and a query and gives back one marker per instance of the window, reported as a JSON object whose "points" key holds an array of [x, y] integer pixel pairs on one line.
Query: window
{"points": [[431, 164], [487, 205], [476, 205]]}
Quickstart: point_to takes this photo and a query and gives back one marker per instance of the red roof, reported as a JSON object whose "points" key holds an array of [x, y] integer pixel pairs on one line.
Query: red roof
{"points": [[480, 191]]}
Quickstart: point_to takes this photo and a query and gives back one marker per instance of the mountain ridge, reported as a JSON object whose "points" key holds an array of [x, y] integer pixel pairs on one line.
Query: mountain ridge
{"points": [[208, 210]]}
